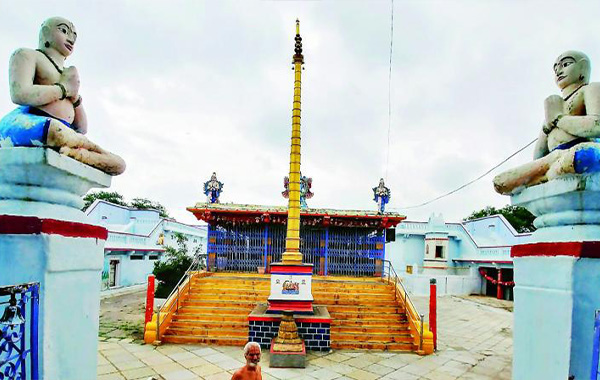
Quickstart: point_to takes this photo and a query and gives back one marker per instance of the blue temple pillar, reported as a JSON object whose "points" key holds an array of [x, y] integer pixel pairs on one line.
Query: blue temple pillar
{"points": [[326, 250], [266, 248]]}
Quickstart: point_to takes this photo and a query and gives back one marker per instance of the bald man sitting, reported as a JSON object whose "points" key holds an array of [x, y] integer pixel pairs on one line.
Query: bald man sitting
{"points": [[51, 111], [251, 371]]}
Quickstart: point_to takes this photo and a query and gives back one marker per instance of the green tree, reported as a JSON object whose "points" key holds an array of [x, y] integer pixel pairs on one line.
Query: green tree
{"points": [[518, 217], [116, 198], [169, 271], [109, 196], [145, 204]]}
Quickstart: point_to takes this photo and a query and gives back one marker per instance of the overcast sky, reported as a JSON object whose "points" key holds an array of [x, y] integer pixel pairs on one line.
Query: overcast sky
{"points": [[180, 89]]}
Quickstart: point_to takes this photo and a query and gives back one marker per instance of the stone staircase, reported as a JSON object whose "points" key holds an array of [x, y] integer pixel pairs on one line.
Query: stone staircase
{"points": [[216, 310], [365, 314]]}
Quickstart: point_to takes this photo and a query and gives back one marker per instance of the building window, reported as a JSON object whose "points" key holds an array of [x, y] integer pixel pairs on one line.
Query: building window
{"points": [[153, 257], [195, 241], [439, 252], [136, 257]]}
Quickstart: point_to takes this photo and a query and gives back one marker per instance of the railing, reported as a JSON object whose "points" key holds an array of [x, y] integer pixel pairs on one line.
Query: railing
{"points": [[422, 337], [17, 354], [177, 295]]}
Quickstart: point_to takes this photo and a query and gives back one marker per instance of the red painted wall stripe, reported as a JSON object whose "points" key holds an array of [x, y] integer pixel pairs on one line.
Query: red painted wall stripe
{"points": [[585, 249], [30, 225]]}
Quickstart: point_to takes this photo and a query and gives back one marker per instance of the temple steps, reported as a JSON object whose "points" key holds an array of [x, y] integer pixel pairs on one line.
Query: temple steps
{"points": [[197, 296], [365, 313], [221, 280], [216, 309], [247, 304], [354, 294], [354, 345], [195, 339], [208, 332], [349, 322], [375, 337], [358, 302], [370, 329], [361, 310], [182, 322], [211, 315]]}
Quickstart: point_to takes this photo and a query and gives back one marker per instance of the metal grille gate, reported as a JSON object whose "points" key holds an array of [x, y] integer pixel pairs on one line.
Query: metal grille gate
{"points": [[354, 252], [18, 354], [332, 251]]}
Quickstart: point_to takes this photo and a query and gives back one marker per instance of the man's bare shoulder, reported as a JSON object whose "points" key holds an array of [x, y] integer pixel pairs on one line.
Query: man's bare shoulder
{"points": [[242, 374], [238, 375]]}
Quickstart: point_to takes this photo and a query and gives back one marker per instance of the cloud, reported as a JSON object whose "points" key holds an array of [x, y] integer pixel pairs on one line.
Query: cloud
{"points": [[185, 88]]}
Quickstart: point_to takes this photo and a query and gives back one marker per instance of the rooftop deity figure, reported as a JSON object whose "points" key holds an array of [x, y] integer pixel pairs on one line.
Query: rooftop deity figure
{"points": [[305, 193], [381, 195], [569, 141], [213, 188], [51, 112]]}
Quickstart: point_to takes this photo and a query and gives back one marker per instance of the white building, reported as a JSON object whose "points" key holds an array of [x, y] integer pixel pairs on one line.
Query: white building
{"points": [[458, 255], [137, 239]]}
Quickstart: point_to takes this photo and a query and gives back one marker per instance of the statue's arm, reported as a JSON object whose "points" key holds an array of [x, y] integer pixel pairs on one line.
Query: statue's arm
{"points": [[80, 120], [588, 125], [541, 147], [21, 75]]}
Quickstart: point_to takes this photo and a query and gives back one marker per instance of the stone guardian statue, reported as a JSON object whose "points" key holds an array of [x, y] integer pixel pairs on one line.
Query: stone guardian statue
{"points": [[51, 112], [569, 142]]}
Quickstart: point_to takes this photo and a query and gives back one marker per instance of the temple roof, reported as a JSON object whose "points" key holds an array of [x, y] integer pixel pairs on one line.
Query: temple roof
{"points": [[231, 213]]}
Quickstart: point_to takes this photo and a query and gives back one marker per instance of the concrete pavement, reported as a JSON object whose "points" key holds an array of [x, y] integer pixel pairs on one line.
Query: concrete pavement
{"points": [[474, 342]]}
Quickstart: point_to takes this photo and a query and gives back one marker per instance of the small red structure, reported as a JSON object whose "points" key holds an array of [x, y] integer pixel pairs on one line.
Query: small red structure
{"points": [[149, 299], [433, 310]]}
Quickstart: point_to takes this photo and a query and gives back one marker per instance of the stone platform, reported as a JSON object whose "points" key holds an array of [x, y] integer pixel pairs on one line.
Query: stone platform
{"points": [[313, 329], [288, 359]]}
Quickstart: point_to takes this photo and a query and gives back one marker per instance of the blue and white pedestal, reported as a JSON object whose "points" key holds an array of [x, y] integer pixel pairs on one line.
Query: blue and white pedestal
{"points": [[291, 288], [44, 238], [557, 280]]}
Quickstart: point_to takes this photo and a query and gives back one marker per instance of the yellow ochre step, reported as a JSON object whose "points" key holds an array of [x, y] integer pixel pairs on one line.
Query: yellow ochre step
{"points": [[365, 311]]}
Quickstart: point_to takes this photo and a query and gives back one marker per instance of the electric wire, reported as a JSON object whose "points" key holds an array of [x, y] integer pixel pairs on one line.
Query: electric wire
{"points": [[387, 160], [468, 183]]}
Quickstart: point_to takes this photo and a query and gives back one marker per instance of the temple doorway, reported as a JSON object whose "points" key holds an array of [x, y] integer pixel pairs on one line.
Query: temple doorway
{"points": [[113, 273]]}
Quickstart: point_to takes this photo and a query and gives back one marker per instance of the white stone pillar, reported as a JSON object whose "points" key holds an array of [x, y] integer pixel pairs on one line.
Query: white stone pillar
{"points": [[44, 238], [557, 280]]}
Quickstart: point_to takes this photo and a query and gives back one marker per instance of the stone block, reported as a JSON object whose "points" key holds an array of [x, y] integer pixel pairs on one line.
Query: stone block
{"points": [[288, 359]]}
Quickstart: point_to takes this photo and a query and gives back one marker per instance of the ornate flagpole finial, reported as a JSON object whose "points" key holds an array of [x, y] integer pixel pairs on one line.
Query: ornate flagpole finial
{"points": [[298, 57]]}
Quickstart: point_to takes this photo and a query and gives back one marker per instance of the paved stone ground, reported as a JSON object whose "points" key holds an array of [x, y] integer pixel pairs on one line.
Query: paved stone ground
{"points": [[122, 314], [474, 342]]}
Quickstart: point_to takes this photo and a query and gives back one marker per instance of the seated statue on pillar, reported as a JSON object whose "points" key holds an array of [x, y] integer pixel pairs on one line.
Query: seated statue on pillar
{"points": [[50, 112], [569, 142]]}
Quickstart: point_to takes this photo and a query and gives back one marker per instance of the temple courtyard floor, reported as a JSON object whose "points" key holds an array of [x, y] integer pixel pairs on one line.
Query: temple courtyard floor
{"points": [[474, 342]]}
